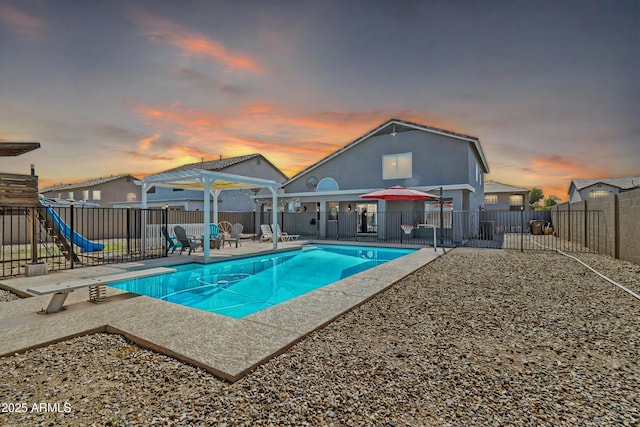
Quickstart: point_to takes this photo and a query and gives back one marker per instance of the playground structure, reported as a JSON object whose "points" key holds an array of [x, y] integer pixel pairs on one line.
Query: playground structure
{"points": [[39, 234]]}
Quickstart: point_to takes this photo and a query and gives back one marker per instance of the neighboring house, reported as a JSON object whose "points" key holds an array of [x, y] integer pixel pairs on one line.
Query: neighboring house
{"points": [[395, 153], [585, 189], [253, 165], [498, 196], [105, 192]]}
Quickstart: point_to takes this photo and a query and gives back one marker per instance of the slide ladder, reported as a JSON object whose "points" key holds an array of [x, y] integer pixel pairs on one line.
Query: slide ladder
{"points": [[56, 235]]}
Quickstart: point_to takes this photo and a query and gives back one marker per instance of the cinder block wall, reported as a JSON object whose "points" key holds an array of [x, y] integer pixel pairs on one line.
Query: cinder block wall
{"points": [[629, 225], [597, 229]]}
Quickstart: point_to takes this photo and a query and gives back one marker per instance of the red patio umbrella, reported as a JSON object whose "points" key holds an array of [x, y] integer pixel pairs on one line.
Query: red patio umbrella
{"points": [[399, 193]]}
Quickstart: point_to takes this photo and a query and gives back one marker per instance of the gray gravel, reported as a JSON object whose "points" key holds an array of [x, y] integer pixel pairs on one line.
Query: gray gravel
{"points": [[478, 337], [6, 296]]}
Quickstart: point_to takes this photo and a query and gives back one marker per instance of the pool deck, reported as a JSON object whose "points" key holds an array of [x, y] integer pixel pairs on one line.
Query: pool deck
{"points": [[227, 347]]}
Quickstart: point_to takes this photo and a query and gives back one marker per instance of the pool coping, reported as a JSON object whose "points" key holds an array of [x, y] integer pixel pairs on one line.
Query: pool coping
{"points": [[227, 347]]}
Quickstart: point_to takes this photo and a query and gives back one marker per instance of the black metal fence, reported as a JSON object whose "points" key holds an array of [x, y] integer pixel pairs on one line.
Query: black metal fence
{"points": [[66, 237], [70, 237], [521, 230]]}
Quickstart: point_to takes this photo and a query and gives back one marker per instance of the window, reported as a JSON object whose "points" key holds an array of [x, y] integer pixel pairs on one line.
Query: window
{"points": [[490, 199], [85, 195], [70, 195], [327, 184], [131, 197], [598, 193], [396, 166], [333, 211], [516, 200], [97, 195], [151, 190], [178, 189]]}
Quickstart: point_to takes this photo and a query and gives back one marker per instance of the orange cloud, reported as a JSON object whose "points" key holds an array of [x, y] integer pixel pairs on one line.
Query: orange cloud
{"points": [[145, 143], [20, 22], [194, 43], [292, 140]]}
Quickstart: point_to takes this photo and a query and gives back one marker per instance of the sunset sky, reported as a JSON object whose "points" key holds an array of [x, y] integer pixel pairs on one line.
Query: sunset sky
{"points": [[551, 88]]}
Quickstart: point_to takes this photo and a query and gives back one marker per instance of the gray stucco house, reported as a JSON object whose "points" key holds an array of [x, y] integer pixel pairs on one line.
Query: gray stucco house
{"points": [[397, 152], [253, 165], [499, 196], [585, 189], [106, 192]]}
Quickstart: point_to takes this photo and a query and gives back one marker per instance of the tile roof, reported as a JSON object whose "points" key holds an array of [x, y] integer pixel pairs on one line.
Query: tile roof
{"points": [[213, 165], [89, 183], [623, 183], [498, 187]]}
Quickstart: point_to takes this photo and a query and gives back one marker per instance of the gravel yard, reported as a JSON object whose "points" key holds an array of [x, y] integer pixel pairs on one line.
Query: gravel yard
{"points": [[477, 337]]}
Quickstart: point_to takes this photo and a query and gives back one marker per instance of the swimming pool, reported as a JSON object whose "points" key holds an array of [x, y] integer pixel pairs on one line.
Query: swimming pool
{"points": [[237, 288]]}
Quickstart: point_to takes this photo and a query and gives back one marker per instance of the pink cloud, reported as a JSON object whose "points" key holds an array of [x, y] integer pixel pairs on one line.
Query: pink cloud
{"points": [[21, 22], [195, 43]]}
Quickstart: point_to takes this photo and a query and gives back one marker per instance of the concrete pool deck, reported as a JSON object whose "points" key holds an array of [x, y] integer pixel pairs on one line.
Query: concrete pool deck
{"points": [[227, 347]]}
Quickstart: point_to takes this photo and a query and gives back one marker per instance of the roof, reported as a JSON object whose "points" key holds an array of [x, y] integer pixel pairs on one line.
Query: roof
{"points": [[17, 148], [214, 165], [623, 183], [90, 183], [397, 125], [498, 187], [200, 179]]}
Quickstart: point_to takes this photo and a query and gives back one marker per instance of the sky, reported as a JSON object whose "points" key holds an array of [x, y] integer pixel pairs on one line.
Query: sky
{"points": [[550, 88]]}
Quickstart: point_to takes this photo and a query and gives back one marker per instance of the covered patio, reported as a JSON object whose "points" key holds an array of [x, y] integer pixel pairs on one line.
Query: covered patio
{"points": [[212, 184]]}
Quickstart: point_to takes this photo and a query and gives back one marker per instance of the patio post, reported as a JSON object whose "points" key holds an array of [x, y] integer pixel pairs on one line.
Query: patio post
{"points": [[274, 216], [206, 243]]}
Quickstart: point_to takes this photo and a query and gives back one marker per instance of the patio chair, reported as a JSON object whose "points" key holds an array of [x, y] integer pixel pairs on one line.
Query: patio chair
{"points": [[172, 241], [186, 241], [234, 234], [286, 237], [266, 233], [214, 236]]}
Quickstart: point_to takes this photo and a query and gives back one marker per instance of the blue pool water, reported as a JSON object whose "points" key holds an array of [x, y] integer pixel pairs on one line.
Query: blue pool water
{"points": [[240, 287]]}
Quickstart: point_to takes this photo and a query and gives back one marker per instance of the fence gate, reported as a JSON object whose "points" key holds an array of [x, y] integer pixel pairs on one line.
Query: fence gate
{"points": [[568, 231]]}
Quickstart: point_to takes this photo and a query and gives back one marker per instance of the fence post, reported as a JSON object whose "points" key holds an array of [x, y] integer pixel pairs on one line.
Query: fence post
{"points": [[71, 232], [586, 234], [34, 236], [128, 229], [521, 228], [165, 224], [616, 226]]}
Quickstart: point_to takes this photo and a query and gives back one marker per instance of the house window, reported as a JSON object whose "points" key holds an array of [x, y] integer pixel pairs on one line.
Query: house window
{"points": [[333, 211], [327, 184], [97, 195], [516, 200], [178, 189], [396, 166], [151, 190], [131, 197], [598, 193], [490, 199], [85, 195], [70, 195]]}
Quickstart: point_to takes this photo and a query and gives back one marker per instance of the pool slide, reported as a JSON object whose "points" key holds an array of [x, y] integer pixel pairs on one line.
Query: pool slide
{"points": [[85, 244]]}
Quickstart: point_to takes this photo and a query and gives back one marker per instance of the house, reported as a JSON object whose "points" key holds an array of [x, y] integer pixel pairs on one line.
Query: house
{"points": [[498, 196], [585, 189], [252, 165], [397, 152], [105, 192]]}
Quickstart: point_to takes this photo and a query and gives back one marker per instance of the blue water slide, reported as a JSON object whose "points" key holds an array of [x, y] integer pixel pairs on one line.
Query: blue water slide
{"points": [[85, 244]]}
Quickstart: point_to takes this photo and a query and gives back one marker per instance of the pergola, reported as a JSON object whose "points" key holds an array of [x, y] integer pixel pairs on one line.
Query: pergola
{"points": [[212, 184]]}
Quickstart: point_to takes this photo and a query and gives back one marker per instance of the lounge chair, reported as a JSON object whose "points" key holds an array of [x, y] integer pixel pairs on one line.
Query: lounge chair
{"points": [[186, 241], [266, 233], [286, 237], [172, 241], [234, 234]]}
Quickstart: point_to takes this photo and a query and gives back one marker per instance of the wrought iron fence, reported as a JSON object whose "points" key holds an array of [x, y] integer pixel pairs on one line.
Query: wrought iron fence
{"points": [[575, 231], [70, 237]]}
